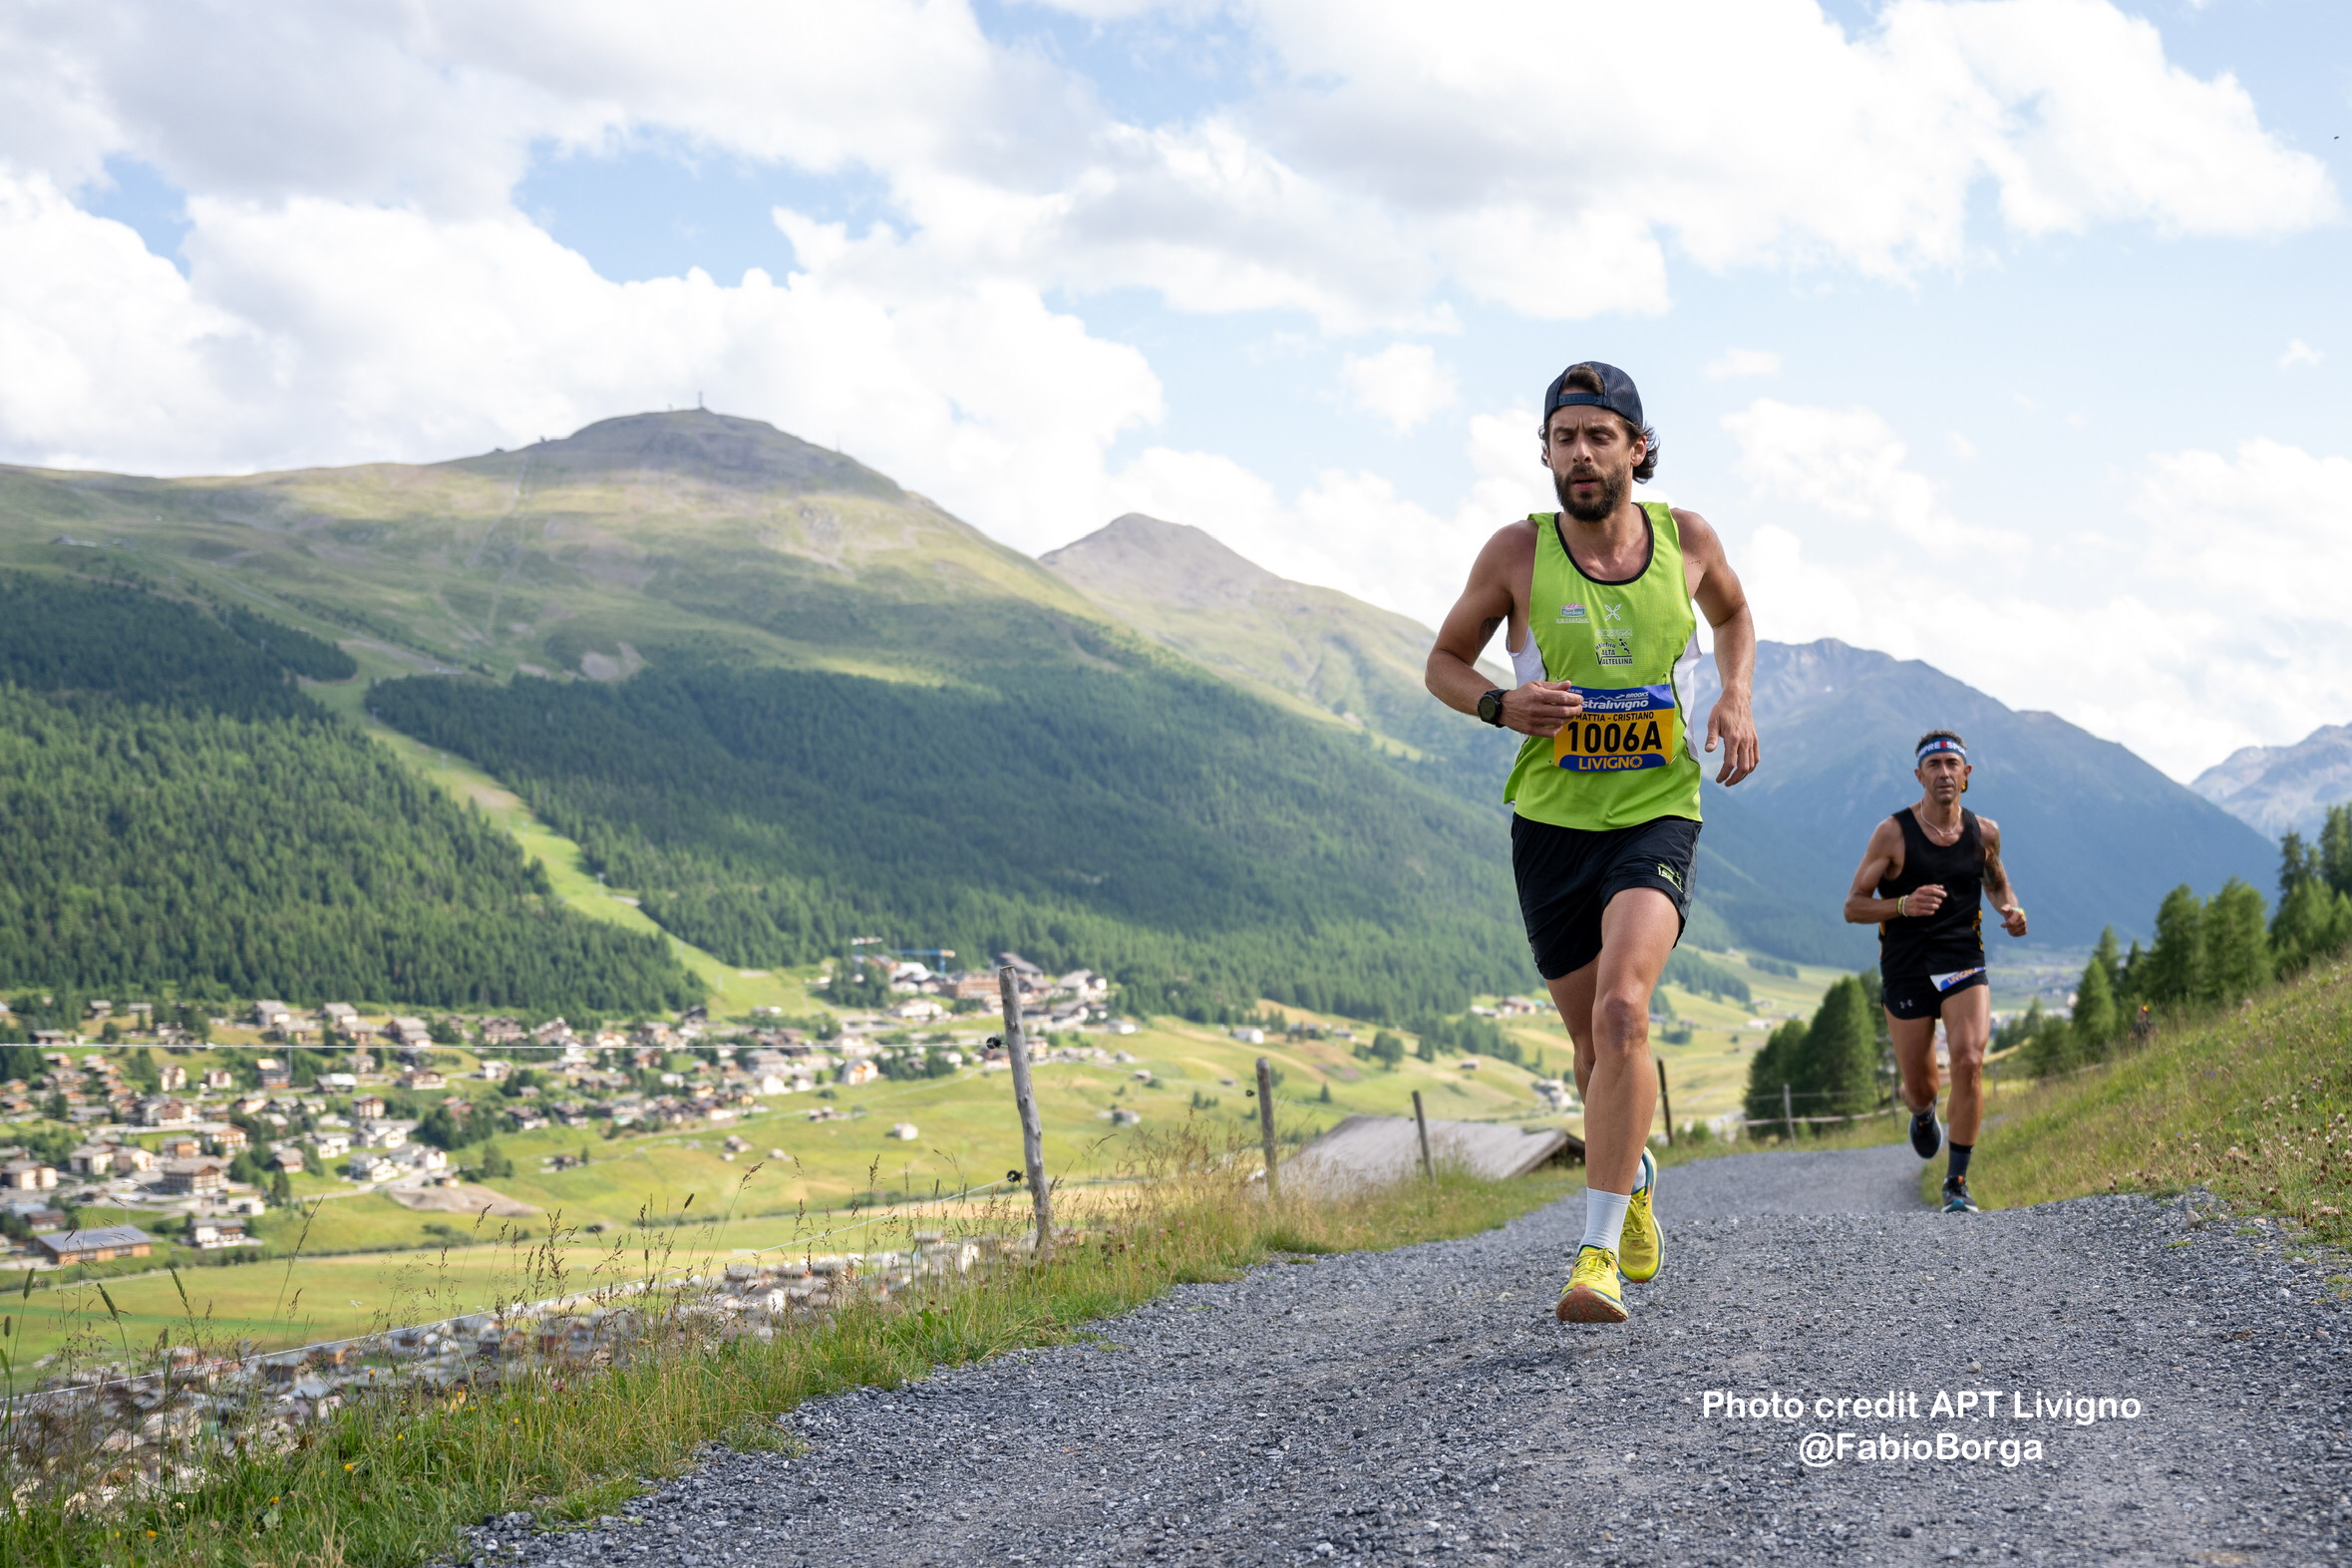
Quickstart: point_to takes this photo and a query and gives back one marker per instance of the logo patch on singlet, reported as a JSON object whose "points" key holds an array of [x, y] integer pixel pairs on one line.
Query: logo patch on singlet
{"points": [[1573, 615], [1613, 648]]}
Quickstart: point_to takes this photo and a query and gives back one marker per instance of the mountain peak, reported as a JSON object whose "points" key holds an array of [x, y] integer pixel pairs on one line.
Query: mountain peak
{"points": [[1172, 564], [2277, 788], [716, 448]]}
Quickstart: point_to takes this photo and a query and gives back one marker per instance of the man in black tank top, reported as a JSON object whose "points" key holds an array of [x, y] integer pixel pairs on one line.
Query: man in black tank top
{"points": [[1920, 883]]}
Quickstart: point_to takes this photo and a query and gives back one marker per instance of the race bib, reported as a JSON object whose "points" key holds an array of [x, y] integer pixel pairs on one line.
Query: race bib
{"points": [[1619, 729], [1946, 982]]}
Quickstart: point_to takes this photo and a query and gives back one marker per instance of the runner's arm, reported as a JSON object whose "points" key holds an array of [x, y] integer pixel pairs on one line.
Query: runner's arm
{"points": [[1725, 604], [1453, 676], [1996, 879], [1882, 860]]}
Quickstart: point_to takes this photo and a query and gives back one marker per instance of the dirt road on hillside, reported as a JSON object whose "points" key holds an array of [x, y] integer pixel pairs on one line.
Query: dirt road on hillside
{"points": [[1422, 1404]]}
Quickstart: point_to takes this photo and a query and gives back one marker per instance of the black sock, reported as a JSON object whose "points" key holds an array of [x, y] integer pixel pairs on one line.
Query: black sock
{"points": [[1960, 1153]]}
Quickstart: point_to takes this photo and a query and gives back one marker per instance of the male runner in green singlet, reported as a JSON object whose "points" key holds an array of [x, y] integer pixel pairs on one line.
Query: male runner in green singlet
{"points": [[1919, 882], [1604, 640]]}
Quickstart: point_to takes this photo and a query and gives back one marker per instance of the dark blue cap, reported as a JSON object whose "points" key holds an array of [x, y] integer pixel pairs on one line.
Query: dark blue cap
{"points": [[1617, 394]]}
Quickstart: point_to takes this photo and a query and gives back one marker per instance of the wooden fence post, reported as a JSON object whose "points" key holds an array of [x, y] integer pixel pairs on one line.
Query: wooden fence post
{"points": [[1788, 1113], [1266, 1126], [1421, 1121], [1666, 1100], [1016, 1051]]}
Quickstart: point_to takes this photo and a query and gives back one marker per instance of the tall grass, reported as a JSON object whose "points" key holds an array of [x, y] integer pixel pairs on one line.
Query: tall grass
{"points": [[2254, 1103], [391, 1479]]}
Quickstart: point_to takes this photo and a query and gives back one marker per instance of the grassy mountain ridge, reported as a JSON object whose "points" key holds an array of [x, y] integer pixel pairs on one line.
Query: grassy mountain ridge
{"points": [[1207, 848], [585, 555], [645, 548], [697, 541], [1332, 655]]}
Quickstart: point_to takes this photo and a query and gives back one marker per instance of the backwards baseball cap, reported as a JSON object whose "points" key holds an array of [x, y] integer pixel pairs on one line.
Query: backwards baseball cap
{"points": [[1617, 394]]}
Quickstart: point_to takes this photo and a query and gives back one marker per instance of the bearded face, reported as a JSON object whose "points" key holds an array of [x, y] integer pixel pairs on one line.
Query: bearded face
{"points": [[1592, 455], [1589, 502]]}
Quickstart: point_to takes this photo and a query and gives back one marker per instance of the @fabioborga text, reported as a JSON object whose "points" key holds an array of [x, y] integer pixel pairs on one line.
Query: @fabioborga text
{"points": [[2037, 1410]]}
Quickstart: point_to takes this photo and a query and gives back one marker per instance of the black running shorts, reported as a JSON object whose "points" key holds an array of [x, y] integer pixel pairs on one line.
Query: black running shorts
{"points": [[1924, 996], [1567, 876]]}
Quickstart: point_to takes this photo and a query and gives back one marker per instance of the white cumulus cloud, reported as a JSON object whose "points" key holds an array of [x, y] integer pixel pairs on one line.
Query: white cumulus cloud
{"points": [[2185, 632], [1851, 472], [1401, 384], [1743, 362]]}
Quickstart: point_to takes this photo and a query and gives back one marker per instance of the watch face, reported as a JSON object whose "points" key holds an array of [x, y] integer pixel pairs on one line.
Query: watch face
{"points": [[1491, 707]]}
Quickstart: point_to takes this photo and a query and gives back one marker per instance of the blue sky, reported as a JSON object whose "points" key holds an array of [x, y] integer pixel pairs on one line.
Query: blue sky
{"points": [[2007, 335]]}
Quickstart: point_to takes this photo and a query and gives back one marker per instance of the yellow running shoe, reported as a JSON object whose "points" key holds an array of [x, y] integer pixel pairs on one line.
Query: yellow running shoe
{"points": [[1642, 1247], [1593, 1295]]}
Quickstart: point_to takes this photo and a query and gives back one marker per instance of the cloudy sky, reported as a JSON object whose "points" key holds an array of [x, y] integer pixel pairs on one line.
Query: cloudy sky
{"points": [[2009, 335]]}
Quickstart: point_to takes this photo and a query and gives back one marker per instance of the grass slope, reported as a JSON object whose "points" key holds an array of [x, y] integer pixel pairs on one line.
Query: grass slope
{"points": [[580, 555], [393, 1485], [358, 1247], [1315, 649], [2255, 1106]]}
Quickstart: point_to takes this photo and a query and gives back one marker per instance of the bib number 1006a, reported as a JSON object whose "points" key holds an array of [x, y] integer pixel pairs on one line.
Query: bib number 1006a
{"points": [[1619, 729]]}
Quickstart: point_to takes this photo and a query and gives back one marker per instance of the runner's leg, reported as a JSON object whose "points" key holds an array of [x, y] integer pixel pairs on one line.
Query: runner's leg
{"points": [[1914, 1059], [1571, 994], [1607, 1007], [1968, 1025]]}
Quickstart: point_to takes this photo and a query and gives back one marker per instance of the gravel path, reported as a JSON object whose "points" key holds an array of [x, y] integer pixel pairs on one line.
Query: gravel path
{"points": [[1423, 1404]]}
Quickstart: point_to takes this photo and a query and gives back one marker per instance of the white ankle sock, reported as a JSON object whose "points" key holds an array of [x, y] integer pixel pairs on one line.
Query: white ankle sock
{"points": [[1641, 1176], [1604, 1217]]}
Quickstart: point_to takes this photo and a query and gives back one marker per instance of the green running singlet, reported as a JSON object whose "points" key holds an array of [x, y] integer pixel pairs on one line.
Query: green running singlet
{"points": [[1631, 648]]}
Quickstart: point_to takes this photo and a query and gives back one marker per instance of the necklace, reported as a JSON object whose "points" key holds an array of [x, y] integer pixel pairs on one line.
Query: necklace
{"points": [[1941, 837]]}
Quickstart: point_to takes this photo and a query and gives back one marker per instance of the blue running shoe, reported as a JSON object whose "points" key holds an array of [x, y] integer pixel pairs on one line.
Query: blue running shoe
{"points": [[1956, 1197]]}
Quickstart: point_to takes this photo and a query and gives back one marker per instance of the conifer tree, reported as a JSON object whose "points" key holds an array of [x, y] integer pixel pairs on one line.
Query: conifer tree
{"points": [[2096, 1021], [1770, 1068], [2335, 848], [1842, 1052], [2236, 946], [2313, 921], [2172, 970], [2110, 960]]}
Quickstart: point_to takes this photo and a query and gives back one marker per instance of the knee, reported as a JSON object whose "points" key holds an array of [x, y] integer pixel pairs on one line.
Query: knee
{"points": [[1967, 1065], [1621, 1022]]}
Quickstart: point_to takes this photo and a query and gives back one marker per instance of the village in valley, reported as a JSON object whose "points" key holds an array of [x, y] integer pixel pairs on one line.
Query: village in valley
{"points": [[392, 1103], [398, 1169]]}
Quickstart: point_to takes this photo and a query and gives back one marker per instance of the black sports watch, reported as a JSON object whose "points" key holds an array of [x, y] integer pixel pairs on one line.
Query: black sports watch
{"points": [[1491, 707]]}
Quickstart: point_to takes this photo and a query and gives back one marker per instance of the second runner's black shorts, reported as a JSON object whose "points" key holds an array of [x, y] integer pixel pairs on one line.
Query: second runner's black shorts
{"points": [[1924, 996], [1567, 876]]}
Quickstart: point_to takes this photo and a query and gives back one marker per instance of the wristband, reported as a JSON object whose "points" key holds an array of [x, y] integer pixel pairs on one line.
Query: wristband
{"points": [[1902, 908]]}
